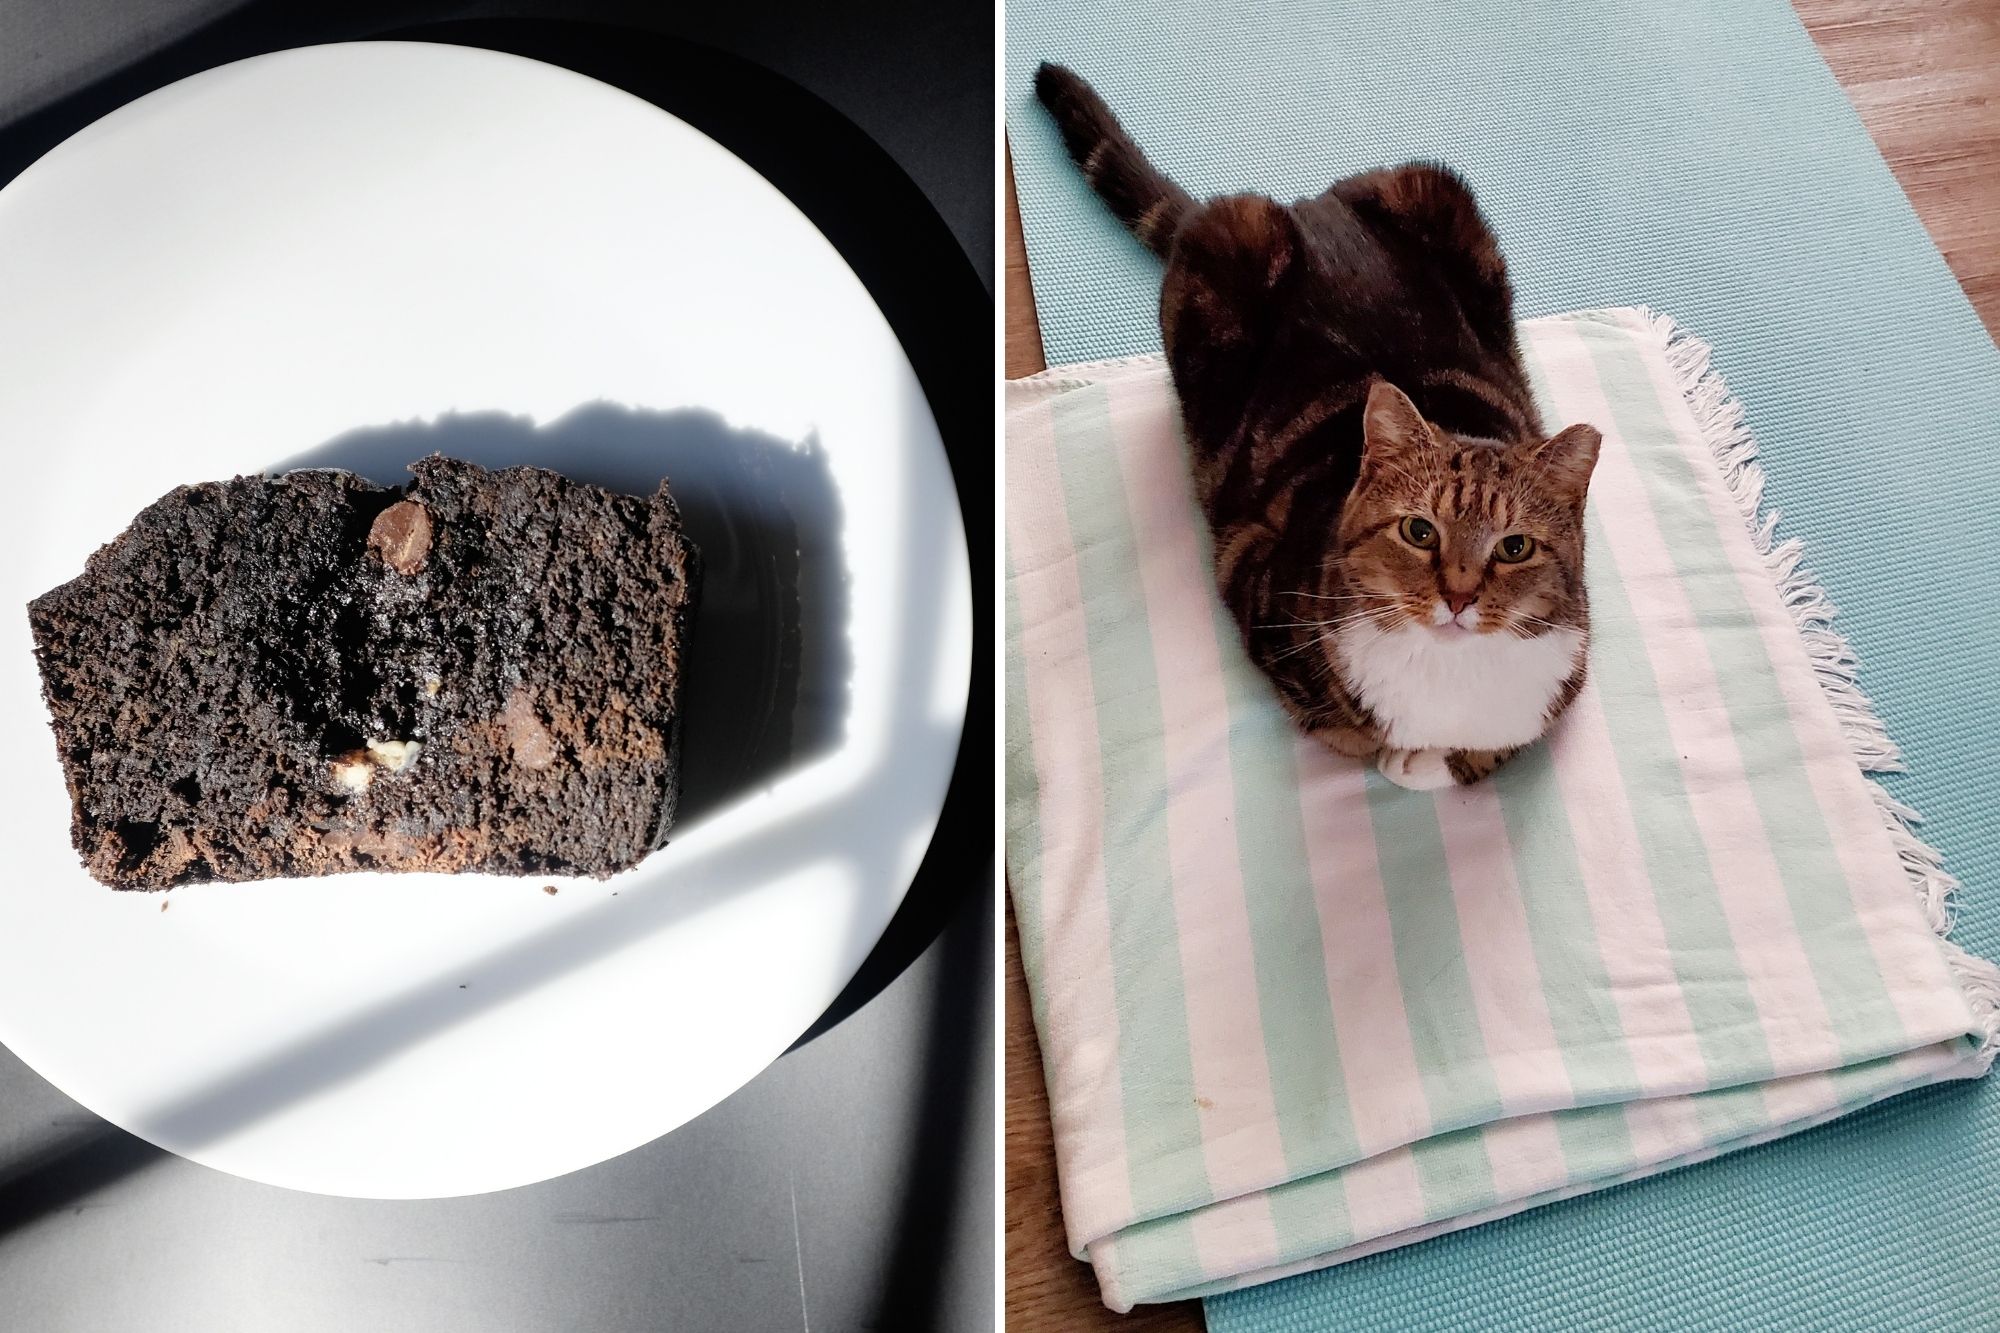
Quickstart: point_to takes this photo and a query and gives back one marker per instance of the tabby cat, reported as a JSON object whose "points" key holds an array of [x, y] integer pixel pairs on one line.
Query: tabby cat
{"points": [[1396, 534]]}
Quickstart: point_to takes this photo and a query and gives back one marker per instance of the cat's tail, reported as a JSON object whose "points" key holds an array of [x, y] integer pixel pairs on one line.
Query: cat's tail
{"points": [[1151, 206]]}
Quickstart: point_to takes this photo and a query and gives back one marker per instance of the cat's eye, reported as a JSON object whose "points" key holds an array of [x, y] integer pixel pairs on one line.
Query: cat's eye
{"points": [[1514, 548], [1419, 532]]}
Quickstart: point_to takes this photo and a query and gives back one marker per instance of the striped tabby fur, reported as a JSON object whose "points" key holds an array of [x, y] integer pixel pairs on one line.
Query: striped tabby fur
{"points": [[1345, 363]]}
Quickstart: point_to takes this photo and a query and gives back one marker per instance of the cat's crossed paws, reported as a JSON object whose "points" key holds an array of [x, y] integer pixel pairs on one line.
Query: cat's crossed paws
{"points": [[1419, 770]]}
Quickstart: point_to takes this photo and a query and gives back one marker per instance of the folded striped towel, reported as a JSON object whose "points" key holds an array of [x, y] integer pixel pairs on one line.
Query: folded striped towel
{"points": [[1291, 1014]]}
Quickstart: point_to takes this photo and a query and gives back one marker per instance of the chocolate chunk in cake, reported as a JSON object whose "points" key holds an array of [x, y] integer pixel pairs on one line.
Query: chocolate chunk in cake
{"points": [[310, 674]]}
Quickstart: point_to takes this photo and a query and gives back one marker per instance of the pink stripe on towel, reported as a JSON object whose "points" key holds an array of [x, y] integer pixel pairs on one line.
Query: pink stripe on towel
{"points": [[1232, 1077], [1506, 980], [1631, 939], [1078, 1002], [1377, 1058]]}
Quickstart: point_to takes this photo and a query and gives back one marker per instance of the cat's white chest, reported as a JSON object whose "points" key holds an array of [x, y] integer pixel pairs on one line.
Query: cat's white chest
{"points": [[1458, 691]]}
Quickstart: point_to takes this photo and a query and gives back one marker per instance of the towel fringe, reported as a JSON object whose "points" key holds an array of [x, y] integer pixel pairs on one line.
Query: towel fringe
{"points": [[1078, 374], [1721, 422]]}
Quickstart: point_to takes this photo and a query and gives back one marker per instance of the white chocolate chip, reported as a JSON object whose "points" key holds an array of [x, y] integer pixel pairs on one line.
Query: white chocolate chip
{"points": [[432, 685], [353, 774], [395, 755]]}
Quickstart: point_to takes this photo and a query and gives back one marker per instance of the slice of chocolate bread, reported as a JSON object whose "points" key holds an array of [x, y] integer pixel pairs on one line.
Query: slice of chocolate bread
{"points": [[310, 674]]}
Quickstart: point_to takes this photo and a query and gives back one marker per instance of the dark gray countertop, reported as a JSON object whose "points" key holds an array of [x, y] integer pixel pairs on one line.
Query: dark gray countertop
{"points": [[851, 1185]]}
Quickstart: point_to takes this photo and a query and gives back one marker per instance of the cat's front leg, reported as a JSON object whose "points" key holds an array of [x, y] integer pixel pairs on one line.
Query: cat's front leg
{"points": [[1469, 766], [1418, 770], [1434, 770]]}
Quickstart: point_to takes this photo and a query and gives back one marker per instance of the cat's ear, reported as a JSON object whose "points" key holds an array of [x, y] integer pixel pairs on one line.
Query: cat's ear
{"points": [[1390, 423], [1253, 235], [1565, 459], [1227, 260]]}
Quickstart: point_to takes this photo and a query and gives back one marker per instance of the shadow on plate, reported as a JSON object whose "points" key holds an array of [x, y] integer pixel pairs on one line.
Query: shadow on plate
{"points": [[768, 664]]}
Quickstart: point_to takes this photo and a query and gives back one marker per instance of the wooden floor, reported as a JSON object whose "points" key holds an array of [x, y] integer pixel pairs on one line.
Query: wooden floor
{"points": [[1925, 76]]}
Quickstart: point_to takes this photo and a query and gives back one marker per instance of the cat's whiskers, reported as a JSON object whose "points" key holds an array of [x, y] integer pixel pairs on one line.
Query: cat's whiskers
{"points": [[1334, 597], [1347, 619], [1327, 629], [1524, 626], [1314, 642], [1388, 620]]}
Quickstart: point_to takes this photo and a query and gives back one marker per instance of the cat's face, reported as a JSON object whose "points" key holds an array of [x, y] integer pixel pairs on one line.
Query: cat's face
{"points": [[1464, 536]]}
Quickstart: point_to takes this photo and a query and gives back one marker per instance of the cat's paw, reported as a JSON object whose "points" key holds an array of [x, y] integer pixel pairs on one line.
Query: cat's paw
{"points": [[1419, 770]]}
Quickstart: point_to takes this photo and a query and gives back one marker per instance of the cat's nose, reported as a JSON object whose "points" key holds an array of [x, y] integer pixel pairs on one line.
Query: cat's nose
{"points": [[1456, 602]]}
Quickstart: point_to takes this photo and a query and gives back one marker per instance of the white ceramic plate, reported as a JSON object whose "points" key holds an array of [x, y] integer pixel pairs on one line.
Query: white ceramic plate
{"points": [[237, 270]]}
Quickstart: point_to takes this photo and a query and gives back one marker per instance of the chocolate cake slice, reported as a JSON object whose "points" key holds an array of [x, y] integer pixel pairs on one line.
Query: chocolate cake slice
{"points": [[309, 674]]}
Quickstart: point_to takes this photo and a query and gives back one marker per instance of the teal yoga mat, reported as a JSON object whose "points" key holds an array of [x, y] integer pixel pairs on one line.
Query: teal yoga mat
{"points": [[1700, 158]]}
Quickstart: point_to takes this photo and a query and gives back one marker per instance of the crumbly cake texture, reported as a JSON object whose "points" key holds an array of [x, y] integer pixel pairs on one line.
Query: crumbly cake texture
{"points": [[311, 674]]}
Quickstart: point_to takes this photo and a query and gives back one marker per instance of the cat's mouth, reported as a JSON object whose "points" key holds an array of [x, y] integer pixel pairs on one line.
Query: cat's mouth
{"points": [[1449, 623]]}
